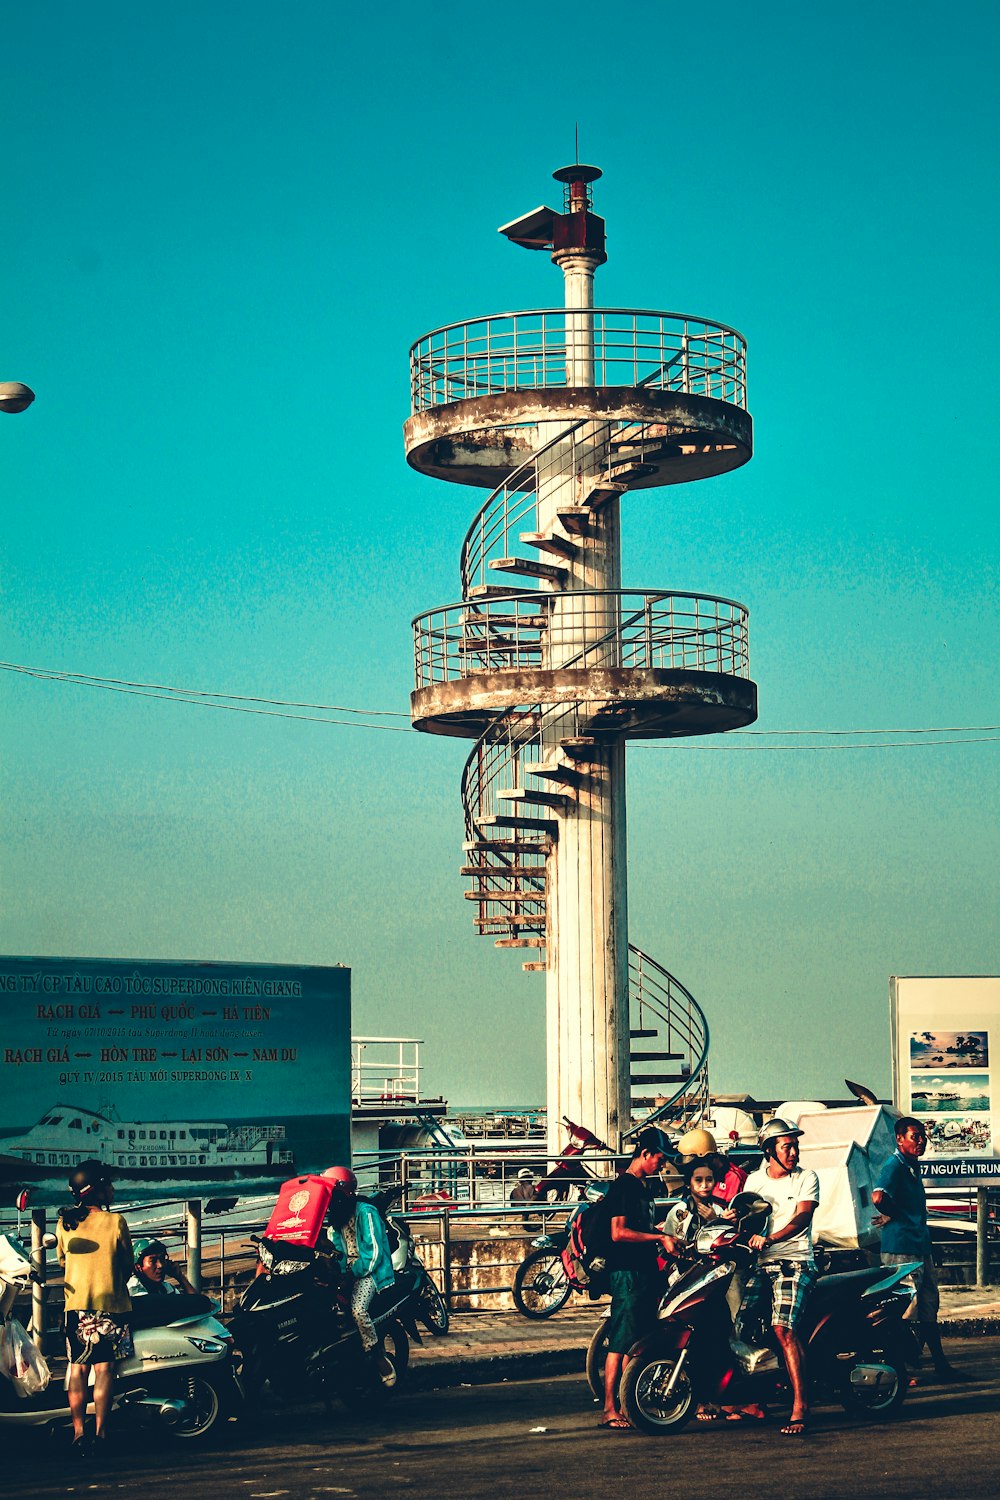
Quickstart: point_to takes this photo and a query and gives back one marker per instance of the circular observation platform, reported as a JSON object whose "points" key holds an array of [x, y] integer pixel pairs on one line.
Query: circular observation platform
{"points": [[480, 390], [647, 665]]}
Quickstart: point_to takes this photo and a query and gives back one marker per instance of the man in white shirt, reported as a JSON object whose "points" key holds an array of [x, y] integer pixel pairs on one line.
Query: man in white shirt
{"points": [[786, 1272]]}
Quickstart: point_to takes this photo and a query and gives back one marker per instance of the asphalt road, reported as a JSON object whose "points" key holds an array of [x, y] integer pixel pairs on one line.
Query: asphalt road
{"points": [[484, 1441]]}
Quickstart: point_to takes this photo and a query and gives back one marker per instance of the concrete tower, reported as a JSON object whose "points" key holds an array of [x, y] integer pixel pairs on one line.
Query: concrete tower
{"points": [[559, 412]]}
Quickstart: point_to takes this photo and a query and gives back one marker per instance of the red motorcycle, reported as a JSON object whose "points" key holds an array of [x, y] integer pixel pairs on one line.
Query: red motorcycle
{"points": [[855, 1340]]}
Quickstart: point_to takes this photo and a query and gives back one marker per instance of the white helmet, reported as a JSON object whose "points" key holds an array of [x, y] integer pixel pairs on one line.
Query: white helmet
{"points": [[773, 1131]]}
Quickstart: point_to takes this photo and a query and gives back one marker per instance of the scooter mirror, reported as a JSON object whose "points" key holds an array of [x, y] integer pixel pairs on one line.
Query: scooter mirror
{"points": [[752, 1213], [49, 1241]]}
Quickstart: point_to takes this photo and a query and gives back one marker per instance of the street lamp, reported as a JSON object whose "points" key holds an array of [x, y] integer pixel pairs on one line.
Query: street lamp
{"points": [[14, 396]]}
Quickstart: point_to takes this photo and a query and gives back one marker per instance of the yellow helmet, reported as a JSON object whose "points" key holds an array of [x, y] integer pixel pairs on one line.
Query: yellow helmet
{"points": [[697, 1142]]}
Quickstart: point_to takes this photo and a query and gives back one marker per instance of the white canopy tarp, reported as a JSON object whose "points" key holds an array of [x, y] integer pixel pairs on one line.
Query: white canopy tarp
{"points": [[871, 1126], [843, 1219]]}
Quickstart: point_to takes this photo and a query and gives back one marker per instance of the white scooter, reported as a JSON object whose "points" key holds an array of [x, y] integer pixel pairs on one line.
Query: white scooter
{"points": [[181, 1375]]}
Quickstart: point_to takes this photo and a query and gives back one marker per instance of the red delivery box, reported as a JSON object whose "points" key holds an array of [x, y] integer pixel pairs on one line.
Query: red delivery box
{"points": [[299, 1212]]}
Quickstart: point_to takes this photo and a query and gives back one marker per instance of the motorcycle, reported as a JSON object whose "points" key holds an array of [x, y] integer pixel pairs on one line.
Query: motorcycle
{"points": [[855, 1340], [425, 1302], [180, 1376], [294, 1329], [569, 1172]]}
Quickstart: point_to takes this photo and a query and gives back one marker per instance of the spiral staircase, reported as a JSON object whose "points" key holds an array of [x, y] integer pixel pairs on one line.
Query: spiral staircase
{"points": [[550, 678]]}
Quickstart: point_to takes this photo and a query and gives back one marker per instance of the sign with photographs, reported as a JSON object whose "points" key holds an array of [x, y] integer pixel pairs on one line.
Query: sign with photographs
{"points": [[185, 1078], [945, 1062]]}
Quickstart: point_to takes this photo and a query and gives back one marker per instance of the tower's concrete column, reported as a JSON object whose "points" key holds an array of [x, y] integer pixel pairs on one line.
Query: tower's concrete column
{"points": [[587, 905]]}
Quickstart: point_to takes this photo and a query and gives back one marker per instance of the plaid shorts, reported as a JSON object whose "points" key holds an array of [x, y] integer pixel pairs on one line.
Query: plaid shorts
{"points": [[777, 1295]]}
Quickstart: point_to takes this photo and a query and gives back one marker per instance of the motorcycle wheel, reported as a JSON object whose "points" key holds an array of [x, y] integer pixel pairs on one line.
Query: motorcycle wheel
{"points": [[643, 1400], [876, 1403], [540, 1285], [210, 1398], [432, 1310], [597, 1353]]}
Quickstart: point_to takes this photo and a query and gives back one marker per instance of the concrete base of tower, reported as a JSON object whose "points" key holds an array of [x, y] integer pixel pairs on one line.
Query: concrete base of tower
{"points": [[480, 441], [641, 703]]}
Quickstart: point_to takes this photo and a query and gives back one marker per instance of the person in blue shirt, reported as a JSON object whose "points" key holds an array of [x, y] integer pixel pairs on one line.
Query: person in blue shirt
{"points": [[902, 1205]]}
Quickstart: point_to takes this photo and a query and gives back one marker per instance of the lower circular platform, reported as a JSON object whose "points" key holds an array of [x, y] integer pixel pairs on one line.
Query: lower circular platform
{"points": [[639, 702]]}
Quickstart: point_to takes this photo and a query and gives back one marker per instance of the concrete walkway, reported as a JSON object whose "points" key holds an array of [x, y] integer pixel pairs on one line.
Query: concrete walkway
{"points": [[483, 1347]]}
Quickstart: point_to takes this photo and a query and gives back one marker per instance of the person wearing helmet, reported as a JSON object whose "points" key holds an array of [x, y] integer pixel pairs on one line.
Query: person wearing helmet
{"points": [[632, 1267], [785, 1273], [153, 1267], [361, 1248], [699, 1144], [95, 1251]]}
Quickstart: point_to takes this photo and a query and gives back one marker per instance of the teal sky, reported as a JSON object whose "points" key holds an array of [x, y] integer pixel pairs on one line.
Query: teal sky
{"points": [[225, 225]]}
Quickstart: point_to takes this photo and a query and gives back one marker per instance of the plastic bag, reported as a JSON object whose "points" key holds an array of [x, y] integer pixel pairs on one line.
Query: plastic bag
{"points": [[21, 1362]]}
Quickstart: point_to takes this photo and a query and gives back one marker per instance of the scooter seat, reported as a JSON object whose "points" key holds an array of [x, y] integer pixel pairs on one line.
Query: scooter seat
{"points": [[842, 1281], [155, 1311]]}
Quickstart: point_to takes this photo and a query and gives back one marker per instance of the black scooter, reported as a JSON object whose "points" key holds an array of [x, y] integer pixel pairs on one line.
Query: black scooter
{"points": [[294, 1330]]}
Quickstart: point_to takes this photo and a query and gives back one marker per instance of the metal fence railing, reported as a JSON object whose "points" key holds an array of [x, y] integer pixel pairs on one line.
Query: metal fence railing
{"points": [[455, 1202], [582, 629], [534, 350]]}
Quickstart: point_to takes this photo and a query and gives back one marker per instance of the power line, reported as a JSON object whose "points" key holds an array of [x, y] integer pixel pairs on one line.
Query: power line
{"points": [[57, 674], [196, 699], [989, 739], [240, 703]]}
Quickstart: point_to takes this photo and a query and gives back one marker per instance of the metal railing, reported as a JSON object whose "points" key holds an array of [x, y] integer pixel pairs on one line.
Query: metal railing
{"points": [[385, 1068], [530, 351], [654, 630], [658, 1001], [509, 879], [513, 505]]}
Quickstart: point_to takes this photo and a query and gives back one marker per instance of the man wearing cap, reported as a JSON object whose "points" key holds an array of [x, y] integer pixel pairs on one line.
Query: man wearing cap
{"points": [[152, 1268], [523, 1191], [785, 1274], [632, 1265]]}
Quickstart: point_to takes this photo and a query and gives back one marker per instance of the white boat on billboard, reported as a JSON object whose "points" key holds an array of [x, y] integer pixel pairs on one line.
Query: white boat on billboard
{"points": [[151, 1149]]}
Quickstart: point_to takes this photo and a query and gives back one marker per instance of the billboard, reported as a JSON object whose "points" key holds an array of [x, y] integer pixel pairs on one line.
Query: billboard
{"points": [[946, 1071], [187, 1078]]}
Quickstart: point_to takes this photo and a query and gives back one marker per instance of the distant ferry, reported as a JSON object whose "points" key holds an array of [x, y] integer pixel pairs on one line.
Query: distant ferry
{"points": [[203, 1149], [933, 1096]]}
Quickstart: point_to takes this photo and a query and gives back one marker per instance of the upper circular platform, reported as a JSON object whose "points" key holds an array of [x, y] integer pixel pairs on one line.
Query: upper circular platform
{"points": [[481, 389]]}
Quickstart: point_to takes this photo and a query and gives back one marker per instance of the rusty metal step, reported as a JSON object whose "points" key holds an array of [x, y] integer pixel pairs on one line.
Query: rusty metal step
{"points": [[531, 568], [651, 1078], [547, 541], [533, 825]]}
